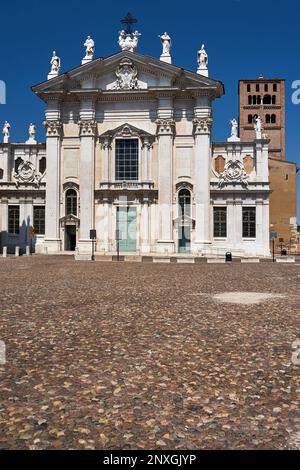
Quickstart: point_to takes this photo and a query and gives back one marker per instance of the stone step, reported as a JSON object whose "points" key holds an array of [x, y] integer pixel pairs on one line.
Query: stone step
{"points": [[286, 259], [186, 260], [250, 260]]}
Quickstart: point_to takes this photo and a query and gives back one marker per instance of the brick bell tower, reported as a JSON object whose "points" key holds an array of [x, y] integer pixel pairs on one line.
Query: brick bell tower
{"points": [[266, 98]]}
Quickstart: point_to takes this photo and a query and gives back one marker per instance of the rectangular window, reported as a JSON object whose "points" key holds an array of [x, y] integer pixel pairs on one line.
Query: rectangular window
{"points": [[249, 222], [248, 87], [257, 87], [275, 87], [39, 220], [220, 222], [14, 220], [127, 159]]}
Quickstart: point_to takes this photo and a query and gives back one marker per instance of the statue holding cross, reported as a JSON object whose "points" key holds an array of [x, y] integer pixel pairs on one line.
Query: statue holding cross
{"points": [[128, 40]]}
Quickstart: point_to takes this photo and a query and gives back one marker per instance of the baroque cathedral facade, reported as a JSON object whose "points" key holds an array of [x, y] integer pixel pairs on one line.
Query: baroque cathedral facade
{"points": [[129, 154]]}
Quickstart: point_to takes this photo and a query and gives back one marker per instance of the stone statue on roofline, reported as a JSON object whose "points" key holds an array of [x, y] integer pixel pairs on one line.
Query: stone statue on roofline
{"points": [[6, 132], [128, 41], [166, 44], [202, 59], [90, 50]]}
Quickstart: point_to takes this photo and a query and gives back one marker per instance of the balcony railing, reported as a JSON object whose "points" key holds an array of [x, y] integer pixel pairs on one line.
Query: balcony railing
{"points": [[126, 185]]}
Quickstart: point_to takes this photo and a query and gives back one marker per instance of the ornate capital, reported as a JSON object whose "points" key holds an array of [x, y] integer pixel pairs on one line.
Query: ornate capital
{"points": [[147, 142], [105, 143], [202, 125], [87, 128], [53, 128], [165, 126]]}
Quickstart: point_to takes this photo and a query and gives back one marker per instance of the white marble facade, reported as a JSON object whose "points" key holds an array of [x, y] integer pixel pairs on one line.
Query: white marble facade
{"points": [[128, 144]]}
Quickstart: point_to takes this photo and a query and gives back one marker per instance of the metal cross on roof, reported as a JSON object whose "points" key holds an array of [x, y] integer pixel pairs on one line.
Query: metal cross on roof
{"points": [[129, 21]]}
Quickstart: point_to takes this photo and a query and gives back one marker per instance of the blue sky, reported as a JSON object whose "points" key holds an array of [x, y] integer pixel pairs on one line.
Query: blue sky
{"points": [[243, 39]]}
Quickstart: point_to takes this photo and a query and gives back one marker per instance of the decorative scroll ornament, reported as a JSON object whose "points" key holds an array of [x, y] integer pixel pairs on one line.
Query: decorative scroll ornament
{"points": [[126, 76], [53, 128], [234, 173], [202, 126], [27, 174]]}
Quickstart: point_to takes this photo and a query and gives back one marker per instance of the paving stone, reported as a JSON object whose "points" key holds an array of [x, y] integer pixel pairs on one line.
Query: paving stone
{"points": [[141, 356]]}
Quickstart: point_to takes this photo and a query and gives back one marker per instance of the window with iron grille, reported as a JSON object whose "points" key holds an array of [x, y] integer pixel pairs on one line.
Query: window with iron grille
{"points": [[220, 222], [249, 222], [127, 159], [71, 202], [14, 220], [39, 220]]}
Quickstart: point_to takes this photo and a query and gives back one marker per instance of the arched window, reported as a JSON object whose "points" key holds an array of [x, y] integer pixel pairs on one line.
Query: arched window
{"points": [[1, 174], [258, 99], [71, 202], [254, 99], [274, 99], [42, 165], [267, 99], [249, 99], [268, 119], [184, 199], [250, 119], [273, 118], [266, 87]]}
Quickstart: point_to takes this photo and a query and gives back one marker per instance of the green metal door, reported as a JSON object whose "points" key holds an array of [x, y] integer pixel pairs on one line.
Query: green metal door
{"points": [[184, 239], [126, 224]]}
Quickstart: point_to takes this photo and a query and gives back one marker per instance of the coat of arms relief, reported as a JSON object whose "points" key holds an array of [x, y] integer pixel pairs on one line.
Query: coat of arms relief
{"points": [[127, 76], [27, 173], [234, 172]]}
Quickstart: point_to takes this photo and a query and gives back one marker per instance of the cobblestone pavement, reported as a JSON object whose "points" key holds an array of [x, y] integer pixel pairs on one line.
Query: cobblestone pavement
{"points": [[132, 356]]}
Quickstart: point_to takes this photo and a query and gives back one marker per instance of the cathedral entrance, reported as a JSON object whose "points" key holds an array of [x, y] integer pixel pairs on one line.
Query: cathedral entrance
{"points": [[126, 224], [184, 242], [70, 238]]}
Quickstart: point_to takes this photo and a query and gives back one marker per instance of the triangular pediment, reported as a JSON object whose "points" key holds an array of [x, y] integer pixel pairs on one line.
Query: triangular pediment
{"points": [[128, 71], [126, 131]]}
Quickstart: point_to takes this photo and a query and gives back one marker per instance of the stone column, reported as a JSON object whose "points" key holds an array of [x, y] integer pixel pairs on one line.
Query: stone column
{"points": [[230, 222], [145, 244], [165, 135], [238, 222], [87, 184], [106, 148], [259, 227], [202, 163], [6, 161], [53, 189], [266, 227], [146, 147], [4, 221], [106, 225]]}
